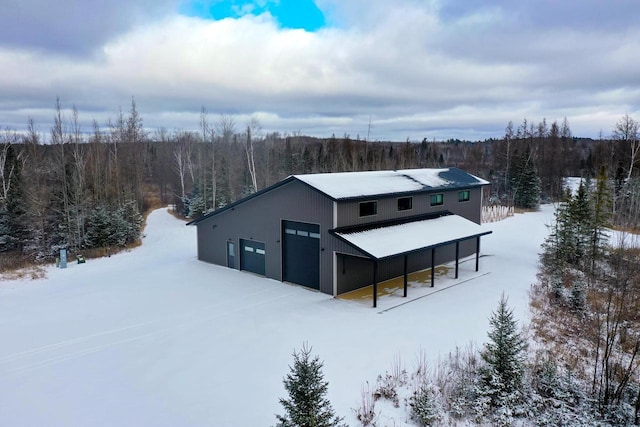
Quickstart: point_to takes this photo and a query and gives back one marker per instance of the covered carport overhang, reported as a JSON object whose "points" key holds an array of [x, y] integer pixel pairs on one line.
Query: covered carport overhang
{"points": [[384, 242]]}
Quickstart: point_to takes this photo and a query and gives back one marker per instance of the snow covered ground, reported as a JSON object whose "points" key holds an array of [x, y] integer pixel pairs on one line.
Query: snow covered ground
{"points": [[154, 337]]}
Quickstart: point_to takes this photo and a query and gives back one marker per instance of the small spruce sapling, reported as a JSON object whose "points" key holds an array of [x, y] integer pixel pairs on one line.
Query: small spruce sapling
{"points": [[425, 405], [504, 356], [307, 405]]}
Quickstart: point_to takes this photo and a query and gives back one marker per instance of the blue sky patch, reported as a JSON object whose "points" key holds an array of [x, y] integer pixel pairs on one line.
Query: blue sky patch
{"points": [[289, 13]]}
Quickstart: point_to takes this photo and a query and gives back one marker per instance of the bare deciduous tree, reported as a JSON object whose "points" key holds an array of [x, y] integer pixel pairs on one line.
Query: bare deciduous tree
{"points": [[182, 158], [78, 187], [253, 129], [226, 128], [7, 171], [60, 139], [626, 130], [209, 148]]}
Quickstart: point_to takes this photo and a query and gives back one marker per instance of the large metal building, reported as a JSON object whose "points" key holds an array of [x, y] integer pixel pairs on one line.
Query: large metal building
{"points": [[336, 232]]}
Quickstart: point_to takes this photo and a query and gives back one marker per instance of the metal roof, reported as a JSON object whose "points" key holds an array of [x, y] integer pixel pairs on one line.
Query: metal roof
{"points": [[353, 185]]}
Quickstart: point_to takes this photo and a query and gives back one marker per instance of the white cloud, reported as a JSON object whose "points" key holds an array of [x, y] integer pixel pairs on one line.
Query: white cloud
{"points": [[73, 27], [414, 69]]}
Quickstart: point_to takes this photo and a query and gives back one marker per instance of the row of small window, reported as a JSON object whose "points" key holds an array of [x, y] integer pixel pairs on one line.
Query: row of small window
{"points": [[302, 233], [406, 203]]}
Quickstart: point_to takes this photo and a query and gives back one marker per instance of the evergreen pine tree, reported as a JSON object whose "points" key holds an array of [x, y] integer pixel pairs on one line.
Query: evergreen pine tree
{"points": [[307, 405], [578, 235], [116, 228], [193, 203], [581, 215], [504, 356], [14, 230], [601, 219], [99, 229], [133, 221], [525, 182], [558, 247], [425, 407], [5, 235], [119, 227], [578, 296]]}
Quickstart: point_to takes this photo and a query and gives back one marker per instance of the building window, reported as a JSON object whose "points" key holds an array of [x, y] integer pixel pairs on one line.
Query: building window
{"points": [[405, 203], [464, 196], [368, 208], [437, 199]]}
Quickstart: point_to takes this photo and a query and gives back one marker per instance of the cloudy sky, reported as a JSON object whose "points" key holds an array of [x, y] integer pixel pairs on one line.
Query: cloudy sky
{"points": [[413, 68]]}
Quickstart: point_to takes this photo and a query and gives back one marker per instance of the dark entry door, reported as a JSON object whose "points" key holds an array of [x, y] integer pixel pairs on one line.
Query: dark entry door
{"points": [[252, 256], [301, 253]]}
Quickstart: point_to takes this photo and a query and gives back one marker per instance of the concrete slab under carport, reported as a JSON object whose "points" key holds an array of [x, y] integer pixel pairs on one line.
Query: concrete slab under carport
{"points": [[393, 240], [390, 292]]}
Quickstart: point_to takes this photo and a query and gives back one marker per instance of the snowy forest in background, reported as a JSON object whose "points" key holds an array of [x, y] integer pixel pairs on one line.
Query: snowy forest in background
{"points": [[87, 188]]}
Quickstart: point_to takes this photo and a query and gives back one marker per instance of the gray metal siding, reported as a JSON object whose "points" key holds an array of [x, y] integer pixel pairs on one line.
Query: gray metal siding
{"points": [[349, 212], [355, 272], [260, 219]]}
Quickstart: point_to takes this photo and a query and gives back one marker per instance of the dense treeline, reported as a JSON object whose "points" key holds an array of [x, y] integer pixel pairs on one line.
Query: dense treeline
{"points": [[76, 192], [587, 301], [581, 364], [86, 188]]}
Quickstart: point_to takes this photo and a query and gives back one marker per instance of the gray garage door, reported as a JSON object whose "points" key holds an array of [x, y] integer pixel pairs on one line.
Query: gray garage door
{"points": [[252, 256], [301, 253]]}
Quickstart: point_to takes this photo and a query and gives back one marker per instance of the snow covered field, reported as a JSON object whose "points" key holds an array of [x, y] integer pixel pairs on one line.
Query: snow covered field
{"points": [[154, 337]]}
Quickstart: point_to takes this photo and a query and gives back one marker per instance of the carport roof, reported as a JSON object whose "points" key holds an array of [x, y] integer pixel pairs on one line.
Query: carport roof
{"points": [[401, 239]]}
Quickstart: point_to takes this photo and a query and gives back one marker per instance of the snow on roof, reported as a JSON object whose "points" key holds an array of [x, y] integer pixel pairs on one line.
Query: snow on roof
{"points": [[346, 185], [399, 239]]}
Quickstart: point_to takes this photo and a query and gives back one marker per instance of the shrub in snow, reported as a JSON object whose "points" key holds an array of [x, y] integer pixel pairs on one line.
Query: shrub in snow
{"points": [[307, 404], [425, 404], [621, 414], [558, 397], [387, 389], [387, 385], [503, 416], [578, 296], [460, 386], [398, 373], [557, 286], [422, 371], [366, 413]]}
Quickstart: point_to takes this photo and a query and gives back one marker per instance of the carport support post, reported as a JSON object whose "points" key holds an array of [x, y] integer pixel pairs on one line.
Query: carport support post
{"points": [[433, 266], [457, 257], [405, 275], [477, 252], [375, 284]]}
